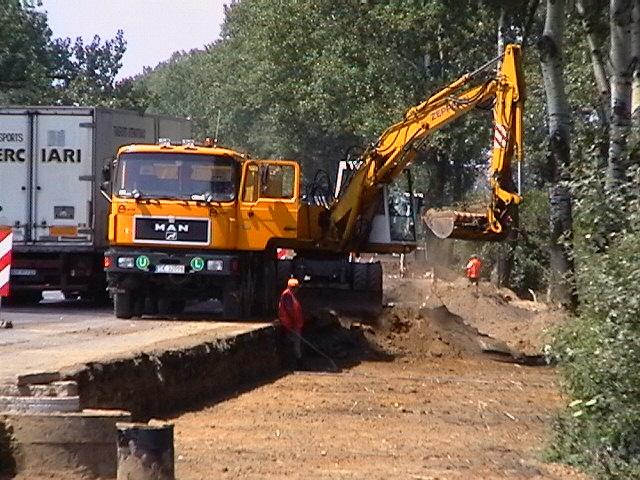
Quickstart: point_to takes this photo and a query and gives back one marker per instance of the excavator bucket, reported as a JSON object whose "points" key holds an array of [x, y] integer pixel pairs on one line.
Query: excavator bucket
{"points": [[460, 225]]}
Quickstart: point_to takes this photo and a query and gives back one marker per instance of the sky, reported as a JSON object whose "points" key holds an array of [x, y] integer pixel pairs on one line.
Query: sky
{"points": [[153, 29]]}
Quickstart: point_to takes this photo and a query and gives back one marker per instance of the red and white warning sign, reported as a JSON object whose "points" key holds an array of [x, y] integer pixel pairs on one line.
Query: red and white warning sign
{"points": [[6, 237]]}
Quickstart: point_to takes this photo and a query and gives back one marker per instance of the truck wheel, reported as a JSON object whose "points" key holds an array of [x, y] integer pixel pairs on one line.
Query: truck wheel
{"points": [[177, 306], [231, 305], [164, 306], [151, 306], [138, 306], [122, 305]]}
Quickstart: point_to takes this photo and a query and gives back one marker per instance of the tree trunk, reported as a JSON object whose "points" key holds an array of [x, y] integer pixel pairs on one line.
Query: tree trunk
{"points": [[502, 20], [635, 85], [560, 216], [620, 19], [591, 13]]}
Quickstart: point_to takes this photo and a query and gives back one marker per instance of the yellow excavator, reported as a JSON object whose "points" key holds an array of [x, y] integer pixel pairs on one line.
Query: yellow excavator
{"points": [[397, 146], [194, 222]]}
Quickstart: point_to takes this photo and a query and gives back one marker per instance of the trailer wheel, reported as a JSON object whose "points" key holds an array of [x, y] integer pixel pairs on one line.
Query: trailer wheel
{"points": [[24, 297], [122, 305]]}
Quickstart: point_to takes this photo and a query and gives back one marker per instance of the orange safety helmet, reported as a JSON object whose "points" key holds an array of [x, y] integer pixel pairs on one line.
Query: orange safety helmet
{"points": [[293, 282]]}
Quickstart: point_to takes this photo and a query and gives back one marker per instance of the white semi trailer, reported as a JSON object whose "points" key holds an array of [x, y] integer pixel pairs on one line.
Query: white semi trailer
{"points": [[51, 164]]}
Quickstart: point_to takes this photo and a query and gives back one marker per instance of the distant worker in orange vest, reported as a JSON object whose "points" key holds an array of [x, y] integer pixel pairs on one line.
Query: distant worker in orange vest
{"points": [[291, 318], [474, 266]]}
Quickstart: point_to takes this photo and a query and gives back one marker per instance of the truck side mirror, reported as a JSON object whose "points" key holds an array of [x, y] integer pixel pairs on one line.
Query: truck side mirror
{"points": [[106, 170]]}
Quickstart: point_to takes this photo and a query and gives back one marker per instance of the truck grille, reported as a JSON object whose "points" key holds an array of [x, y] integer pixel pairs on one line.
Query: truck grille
{"points": [[167, 230]]}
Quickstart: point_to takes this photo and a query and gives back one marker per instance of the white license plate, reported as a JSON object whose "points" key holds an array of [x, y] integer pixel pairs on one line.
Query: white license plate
{"points": [[170, 269], [23, 272]]}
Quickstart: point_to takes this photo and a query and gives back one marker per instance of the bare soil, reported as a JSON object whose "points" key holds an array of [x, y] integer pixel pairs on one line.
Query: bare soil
{"points": [[418, 398]]}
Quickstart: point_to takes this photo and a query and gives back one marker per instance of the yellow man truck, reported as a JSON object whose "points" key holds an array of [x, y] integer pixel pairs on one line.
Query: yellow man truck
{"points": [[191, 222]]}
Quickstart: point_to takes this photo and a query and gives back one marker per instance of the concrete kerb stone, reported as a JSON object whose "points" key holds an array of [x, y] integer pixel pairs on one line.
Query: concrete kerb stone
{"points": [[63, 442], [39, 378], [54, 389]]}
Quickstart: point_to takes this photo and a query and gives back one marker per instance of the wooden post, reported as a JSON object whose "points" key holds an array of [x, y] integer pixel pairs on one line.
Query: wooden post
{"points": [[145, 452]]}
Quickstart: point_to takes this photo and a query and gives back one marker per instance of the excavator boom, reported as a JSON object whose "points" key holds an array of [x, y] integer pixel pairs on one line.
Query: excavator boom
{"points": [[397, 147]]}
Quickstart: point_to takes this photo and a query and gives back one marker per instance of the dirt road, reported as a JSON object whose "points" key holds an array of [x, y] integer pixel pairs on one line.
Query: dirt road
{"points": [[380, 420], [436, 409]]}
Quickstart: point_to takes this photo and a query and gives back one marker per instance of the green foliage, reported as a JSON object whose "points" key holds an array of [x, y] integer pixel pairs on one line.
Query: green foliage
{"points": [[308, 79], [87, 72], [27, 56], [36, 69], [598, 350]]}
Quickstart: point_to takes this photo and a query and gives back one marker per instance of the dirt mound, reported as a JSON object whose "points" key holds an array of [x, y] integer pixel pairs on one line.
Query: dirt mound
{"points": [[496, 312], [434, 331]]}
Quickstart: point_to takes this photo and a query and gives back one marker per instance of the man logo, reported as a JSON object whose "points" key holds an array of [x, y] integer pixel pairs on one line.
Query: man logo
{"points": [[171, 236], [171, 230]]}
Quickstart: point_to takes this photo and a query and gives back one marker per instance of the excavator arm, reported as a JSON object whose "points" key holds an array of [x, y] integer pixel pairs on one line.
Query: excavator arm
{"points": [[397, 147]]}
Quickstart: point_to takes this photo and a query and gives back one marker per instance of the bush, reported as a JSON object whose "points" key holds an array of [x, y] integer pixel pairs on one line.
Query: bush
{"points": [[598, 350]]}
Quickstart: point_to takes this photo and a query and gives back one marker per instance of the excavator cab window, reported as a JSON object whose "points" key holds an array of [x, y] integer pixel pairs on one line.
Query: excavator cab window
{"points": [[401, 217]]}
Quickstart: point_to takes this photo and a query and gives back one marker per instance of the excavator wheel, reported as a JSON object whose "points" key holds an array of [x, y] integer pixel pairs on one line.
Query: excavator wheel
{"points": [[374, 278], [360, 274]]}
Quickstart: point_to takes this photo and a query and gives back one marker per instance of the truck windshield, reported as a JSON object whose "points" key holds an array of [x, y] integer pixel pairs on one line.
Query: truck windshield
{"points": [[176, 176]]}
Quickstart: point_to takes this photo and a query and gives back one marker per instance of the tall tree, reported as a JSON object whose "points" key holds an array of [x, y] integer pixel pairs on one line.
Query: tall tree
{"points": [[635, 52], [621, 21], [27, 59], [590, 12], [560, 214], [88, 71]]}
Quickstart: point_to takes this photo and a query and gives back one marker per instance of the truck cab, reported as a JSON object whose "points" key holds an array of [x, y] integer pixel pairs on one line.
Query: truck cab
{"points": [[193, 223]]}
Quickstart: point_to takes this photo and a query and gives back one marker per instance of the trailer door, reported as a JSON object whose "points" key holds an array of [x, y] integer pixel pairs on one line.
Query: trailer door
{"points": [[15, 154], [62, 180]]}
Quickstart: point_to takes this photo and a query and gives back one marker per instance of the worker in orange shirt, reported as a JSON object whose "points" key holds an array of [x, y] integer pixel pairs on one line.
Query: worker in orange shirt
{"points": [[473, 268], [291, 318]]}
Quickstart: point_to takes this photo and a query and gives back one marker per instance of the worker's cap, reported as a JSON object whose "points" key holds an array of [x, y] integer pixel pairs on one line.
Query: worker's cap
{"points": [[293, 282]]}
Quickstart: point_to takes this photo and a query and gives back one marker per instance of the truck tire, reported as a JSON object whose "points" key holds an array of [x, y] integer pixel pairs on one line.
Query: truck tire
{"points": [[123, 305], [164, 306], [177, 306], [151, 305], [231, 305], [360, 280]]}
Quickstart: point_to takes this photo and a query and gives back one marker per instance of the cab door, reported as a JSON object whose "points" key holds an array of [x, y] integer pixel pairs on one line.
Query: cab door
{"points": [[269, 203]]}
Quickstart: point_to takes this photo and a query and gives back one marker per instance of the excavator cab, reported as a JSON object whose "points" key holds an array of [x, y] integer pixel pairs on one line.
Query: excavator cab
{"points": [[392, 227]]}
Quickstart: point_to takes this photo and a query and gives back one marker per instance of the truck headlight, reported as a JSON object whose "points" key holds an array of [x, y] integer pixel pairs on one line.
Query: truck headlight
{"points": [[215, 265], [126, 262]]}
